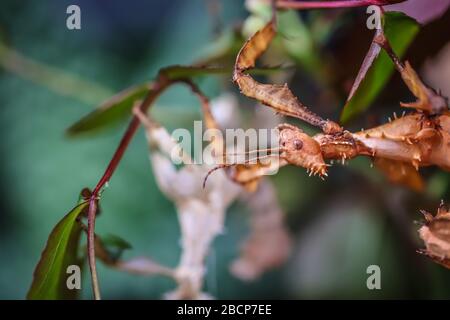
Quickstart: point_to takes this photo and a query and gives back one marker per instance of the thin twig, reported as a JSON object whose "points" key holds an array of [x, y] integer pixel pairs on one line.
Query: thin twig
{"points": [[163, 82], [303, 5], [158, 88]]}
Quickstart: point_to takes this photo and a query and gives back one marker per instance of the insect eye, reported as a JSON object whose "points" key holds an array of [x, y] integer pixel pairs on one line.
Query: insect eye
{"points": [[298, 144]]}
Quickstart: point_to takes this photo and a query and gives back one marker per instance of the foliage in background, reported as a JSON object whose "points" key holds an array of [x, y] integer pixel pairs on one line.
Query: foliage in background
{"points": [[134, 224]]}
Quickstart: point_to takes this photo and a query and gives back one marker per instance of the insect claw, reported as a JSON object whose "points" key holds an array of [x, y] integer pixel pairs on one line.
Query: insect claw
{"points": [[428, 216], [418, 157]]}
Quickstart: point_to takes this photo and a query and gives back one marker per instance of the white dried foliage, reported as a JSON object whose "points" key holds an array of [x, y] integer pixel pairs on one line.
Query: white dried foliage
{"points": [[143, 266], [201, 212], [225, 110]]}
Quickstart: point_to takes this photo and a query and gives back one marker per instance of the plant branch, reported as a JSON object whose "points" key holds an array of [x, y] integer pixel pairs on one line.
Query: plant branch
{"points": [[57, 80], [159, 86], [165, 78]]}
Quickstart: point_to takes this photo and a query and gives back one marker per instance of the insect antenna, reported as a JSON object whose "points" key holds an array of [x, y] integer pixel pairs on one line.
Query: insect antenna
{"points": [[271, 150], [221, 166], [227, 165]]}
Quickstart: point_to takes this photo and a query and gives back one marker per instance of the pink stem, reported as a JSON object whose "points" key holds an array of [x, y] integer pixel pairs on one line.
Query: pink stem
{"points": [[161, 84], [332, 4]]}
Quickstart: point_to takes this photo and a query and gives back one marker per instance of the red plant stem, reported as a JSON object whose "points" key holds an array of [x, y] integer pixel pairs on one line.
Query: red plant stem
{"points": [[331, 4], [160, 85], [91, 250]]}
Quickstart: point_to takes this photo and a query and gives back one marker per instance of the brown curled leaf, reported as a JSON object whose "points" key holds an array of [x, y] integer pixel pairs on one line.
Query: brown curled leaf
{"points": [[436, 236], [278, 97], [255, 47], [428, 100], [249, 175]]}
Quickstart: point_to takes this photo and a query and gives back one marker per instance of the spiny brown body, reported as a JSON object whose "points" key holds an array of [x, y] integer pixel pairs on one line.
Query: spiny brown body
{"points": [[398, 148], [435, 234], [415, 139]]}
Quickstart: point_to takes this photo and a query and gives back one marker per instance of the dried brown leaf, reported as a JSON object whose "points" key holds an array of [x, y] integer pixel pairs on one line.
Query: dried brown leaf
{"points": [[436, 236], [428, 100], [278, 97]]}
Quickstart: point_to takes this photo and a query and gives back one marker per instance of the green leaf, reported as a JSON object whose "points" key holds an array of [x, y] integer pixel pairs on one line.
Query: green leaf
{"points": [[112, 111], [296, 39], [49, 278], [186, 72], [117, 242], [110, 247], [223, 50], [119, 107], [400, 30]]}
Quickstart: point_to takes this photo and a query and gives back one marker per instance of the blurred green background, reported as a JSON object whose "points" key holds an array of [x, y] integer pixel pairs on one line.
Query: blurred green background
{"points": [[341, 226]]}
